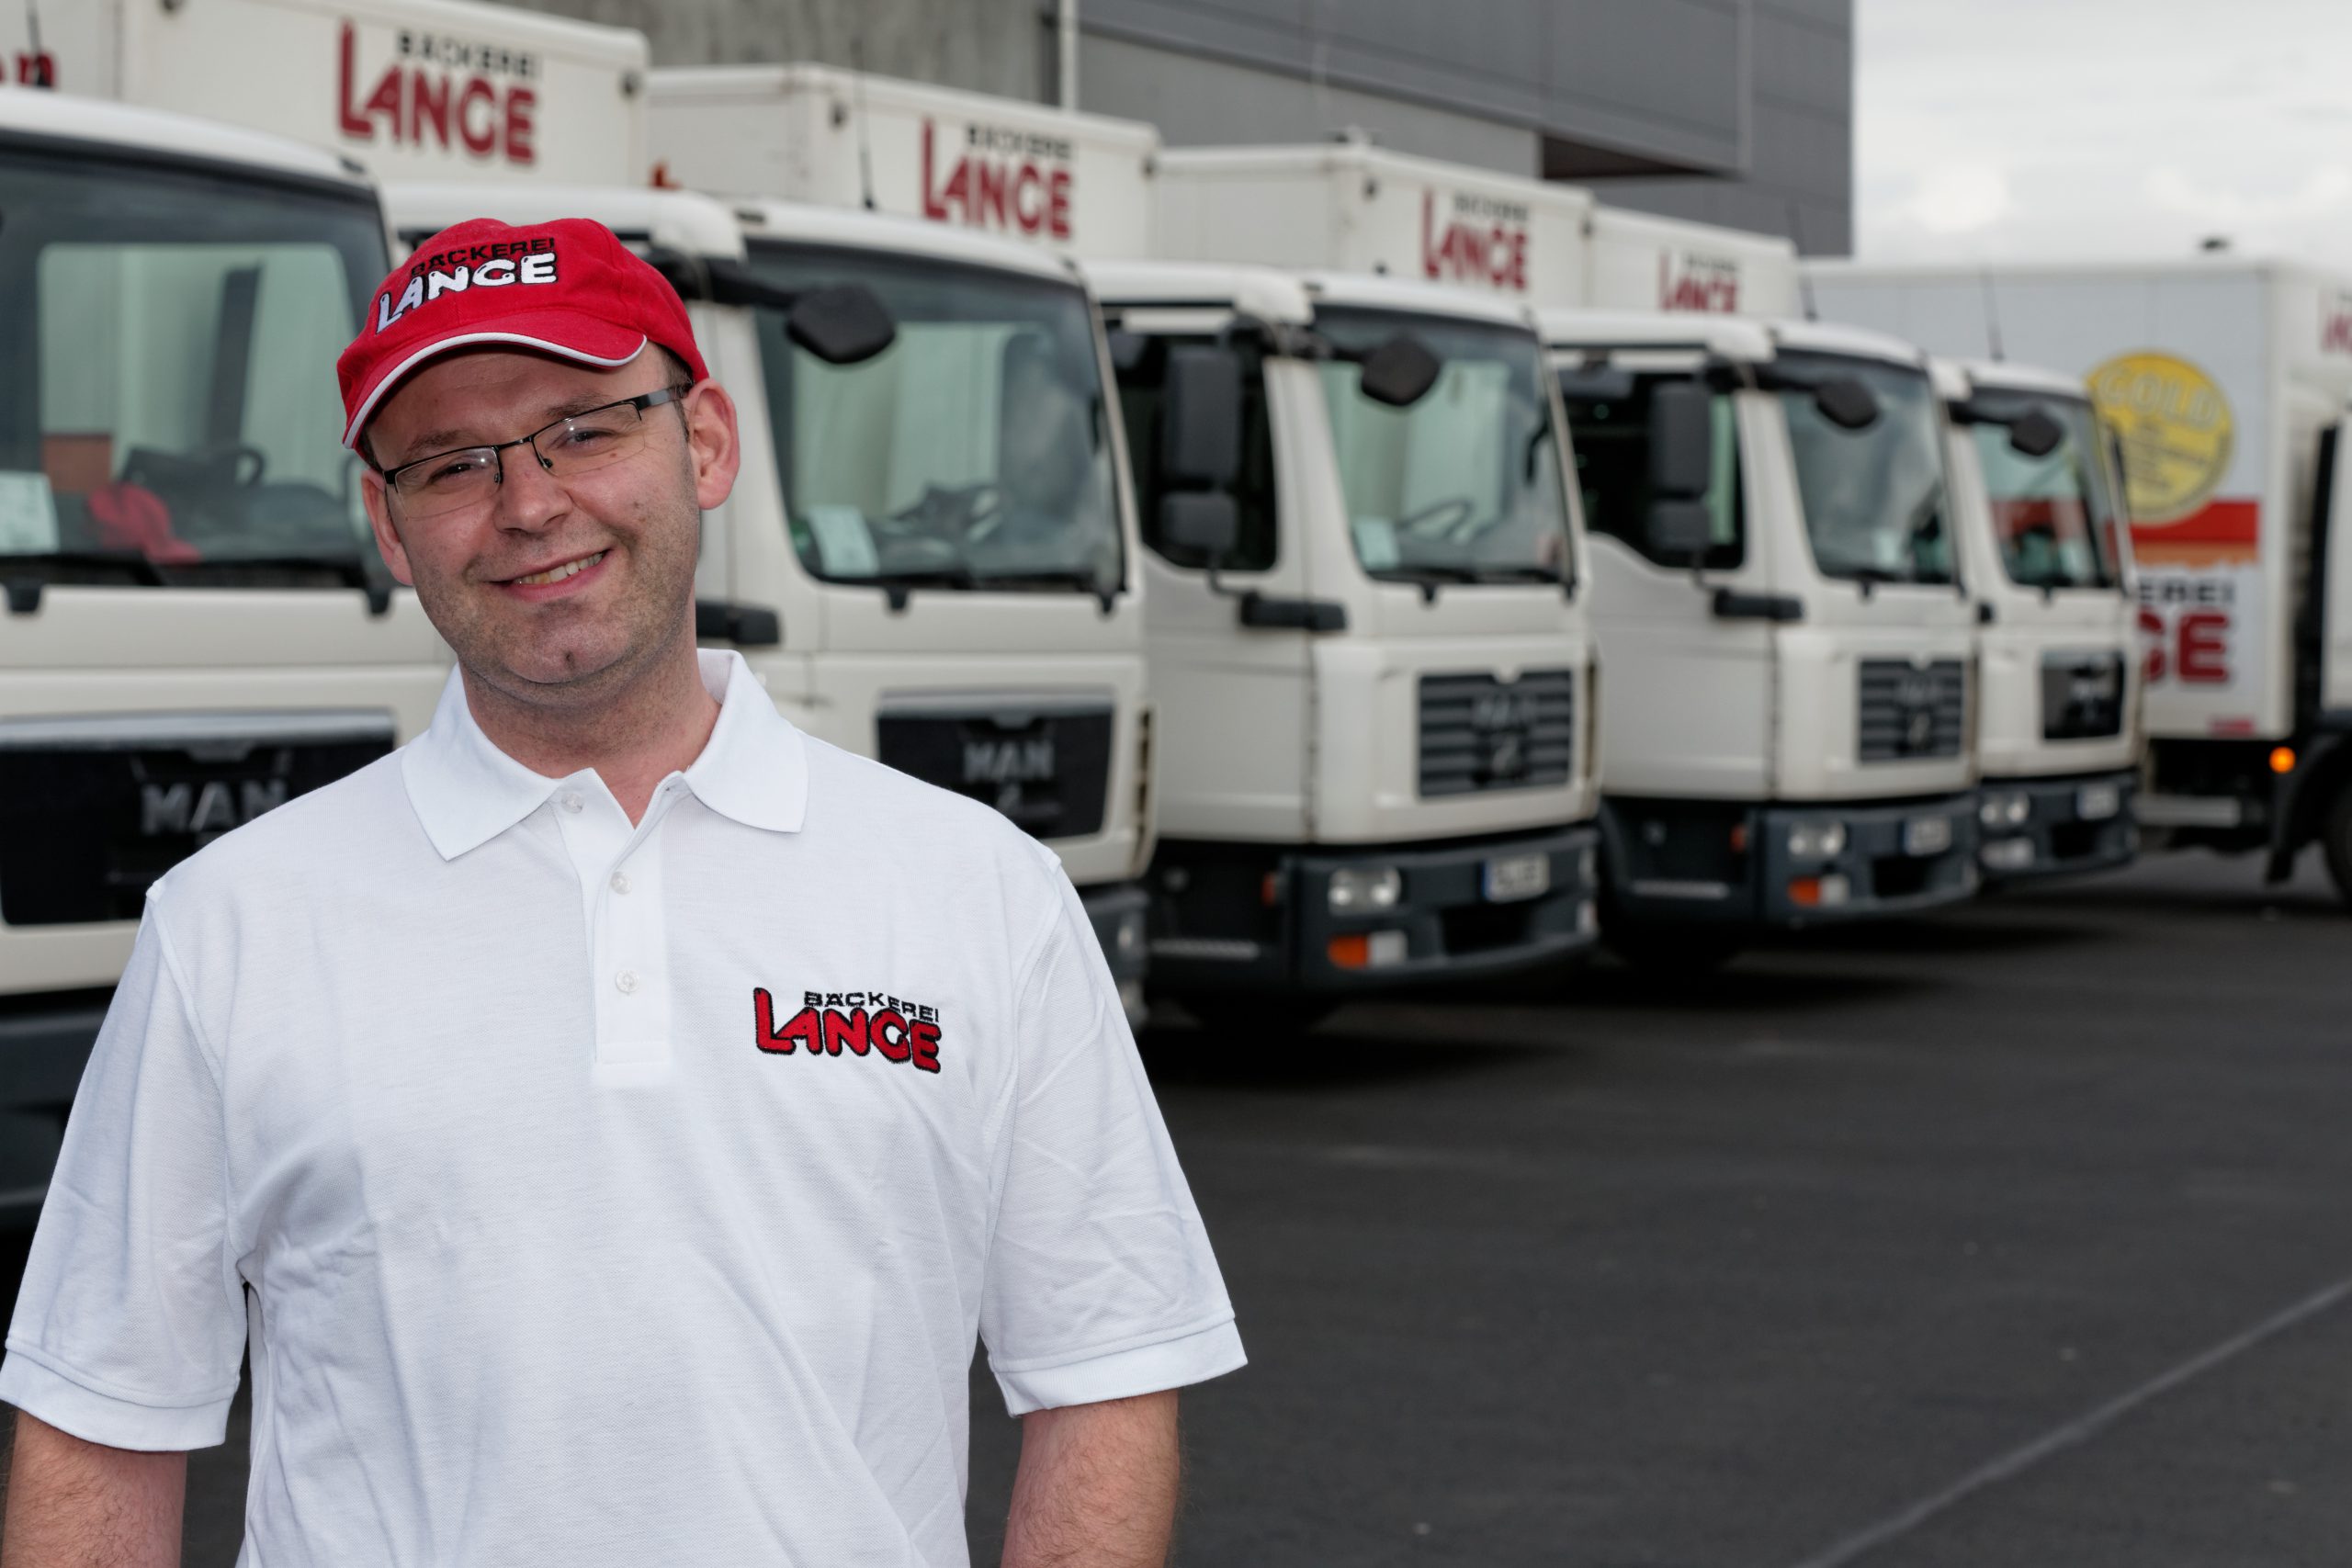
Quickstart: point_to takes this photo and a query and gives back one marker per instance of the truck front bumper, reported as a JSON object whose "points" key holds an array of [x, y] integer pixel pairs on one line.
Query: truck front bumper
{"points": [[1739, 865], [1356, 919], [1120, 913], [2035, 828], [42, 1052]]}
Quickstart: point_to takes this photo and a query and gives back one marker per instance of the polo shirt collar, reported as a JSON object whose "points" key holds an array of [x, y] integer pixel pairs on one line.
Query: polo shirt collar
{"points": [[467, 792]]}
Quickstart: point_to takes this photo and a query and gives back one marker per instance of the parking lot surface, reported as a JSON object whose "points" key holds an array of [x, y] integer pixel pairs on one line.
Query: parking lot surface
{"points": [[2019, 1236]]}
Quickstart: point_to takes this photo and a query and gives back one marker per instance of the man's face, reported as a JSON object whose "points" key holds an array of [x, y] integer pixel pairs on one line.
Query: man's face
{"points": [[624, 537]]}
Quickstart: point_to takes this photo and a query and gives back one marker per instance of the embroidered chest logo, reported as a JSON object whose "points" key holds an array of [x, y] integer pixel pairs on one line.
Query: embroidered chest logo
{"points": [[859, 1022]]}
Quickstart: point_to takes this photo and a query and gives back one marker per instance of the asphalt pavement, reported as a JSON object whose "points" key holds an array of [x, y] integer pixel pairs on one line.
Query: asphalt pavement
{"points": [[2016, 1235]]}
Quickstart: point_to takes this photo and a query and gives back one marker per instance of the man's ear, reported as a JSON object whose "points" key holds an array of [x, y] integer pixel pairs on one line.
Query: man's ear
{"points": [[714, 443], [373, 491]]}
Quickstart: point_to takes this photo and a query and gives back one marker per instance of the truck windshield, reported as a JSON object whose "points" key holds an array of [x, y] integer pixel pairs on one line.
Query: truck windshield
{"points": [[2053, 516], [1464, 484], [169, 416], [1876, 506], [972, 453]]}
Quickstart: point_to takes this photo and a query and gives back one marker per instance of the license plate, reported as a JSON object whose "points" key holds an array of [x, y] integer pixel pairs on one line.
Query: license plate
{"points": [[1513, 877], [1926, 835], [2096, 802]]}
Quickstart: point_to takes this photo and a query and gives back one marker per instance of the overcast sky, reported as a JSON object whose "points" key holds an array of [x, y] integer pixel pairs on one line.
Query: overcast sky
{"points": [[1989, 128]]}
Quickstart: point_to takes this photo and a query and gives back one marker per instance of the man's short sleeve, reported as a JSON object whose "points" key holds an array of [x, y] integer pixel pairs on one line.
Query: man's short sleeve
{"points": [[1100, 1283], [131, 1319]]}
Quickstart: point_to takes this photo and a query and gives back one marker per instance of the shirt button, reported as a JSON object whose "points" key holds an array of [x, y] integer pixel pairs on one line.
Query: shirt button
{"points": [[572, 802], [626, 981], [621, 882]]}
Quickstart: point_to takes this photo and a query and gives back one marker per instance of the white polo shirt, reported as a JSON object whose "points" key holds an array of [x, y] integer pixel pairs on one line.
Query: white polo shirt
{"points": [[598, 1194]]}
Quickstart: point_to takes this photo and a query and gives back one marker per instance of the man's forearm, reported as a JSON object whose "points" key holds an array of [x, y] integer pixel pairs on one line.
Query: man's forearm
{"points": [[78, 1505], [1097, 1485]]}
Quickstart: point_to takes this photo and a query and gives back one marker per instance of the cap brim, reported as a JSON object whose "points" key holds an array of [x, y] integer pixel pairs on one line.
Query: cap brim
{"points": [[567, 335]]}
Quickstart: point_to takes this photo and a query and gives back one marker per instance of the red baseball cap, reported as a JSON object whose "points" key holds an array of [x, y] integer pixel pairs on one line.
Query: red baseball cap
{"points": [[569, 289]]}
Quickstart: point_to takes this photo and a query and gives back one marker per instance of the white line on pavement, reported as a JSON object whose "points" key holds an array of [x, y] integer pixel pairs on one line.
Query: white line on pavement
{"points": [[2016, 1461]]}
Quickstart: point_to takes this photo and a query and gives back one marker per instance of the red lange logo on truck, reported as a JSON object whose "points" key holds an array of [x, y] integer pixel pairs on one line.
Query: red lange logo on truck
{"points": [[1010, 180], [1484, 242], [1706, 284], [457, 92]]}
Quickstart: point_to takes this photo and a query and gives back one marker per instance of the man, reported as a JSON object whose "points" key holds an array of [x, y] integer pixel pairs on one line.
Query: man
{"points": [[608, 1121]]}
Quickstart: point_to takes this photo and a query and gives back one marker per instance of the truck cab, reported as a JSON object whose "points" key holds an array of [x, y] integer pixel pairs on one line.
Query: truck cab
{"points": [[198, 625], [2045, 550], [930, 555], [1784, 632], [1367, 623]]}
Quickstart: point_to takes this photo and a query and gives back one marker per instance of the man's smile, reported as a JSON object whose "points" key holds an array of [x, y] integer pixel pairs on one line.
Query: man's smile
{"points": [[562, 577]]}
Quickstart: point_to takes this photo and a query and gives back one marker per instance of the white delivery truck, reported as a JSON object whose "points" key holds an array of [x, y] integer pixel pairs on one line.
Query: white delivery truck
{"points": [[197, 624], [1789, 727], [1367, 632], [2044, 551], [1079, 183], [930, 554], [2227, 381]]}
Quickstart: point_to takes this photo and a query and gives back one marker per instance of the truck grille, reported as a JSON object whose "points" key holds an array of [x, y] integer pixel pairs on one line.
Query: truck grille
{"points": [[2082, 695], [1478, 733], [1047, 767], [93, 810], [1910, 712]]}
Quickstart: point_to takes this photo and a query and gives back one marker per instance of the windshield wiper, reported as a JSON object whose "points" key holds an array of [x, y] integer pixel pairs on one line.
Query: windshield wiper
{"points": [[899, 585], [351, 572], [24, 586]]}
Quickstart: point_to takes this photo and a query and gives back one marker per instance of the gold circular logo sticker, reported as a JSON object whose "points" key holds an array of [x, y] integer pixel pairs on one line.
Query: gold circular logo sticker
{"points": [[2175, 430]]}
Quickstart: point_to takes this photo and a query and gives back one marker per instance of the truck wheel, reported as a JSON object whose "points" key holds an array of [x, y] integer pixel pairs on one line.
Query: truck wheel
{"points": [[1244, 1016], [2336, 838], [1664, 950]]}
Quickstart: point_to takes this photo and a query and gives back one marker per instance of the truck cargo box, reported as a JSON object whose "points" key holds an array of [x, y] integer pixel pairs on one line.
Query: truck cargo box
{"points": [[410, 89], [1352, 207], [1080, 183]]}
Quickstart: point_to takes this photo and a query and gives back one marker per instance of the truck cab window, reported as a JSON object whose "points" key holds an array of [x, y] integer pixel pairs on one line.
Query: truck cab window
{"points": [[175, 331], [974, 452], [1140, 386], [1608, 421], [2053, 515]]}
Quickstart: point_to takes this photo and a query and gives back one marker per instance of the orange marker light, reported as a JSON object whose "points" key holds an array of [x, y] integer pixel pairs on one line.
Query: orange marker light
{"points": [[1805, 892], [1352, 952], [2282, 759]]}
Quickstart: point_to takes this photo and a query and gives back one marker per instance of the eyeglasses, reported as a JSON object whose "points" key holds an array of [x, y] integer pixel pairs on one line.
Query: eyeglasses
{"points": [[468, 477]]}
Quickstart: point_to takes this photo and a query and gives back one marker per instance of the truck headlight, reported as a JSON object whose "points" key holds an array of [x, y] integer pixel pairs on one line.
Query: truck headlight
{"points": [[1816, 839], [2004, 808], [1356, 888]]}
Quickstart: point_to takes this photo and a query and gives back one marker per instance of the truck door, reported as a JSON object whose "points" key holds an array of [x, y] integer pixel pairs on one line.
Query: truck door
{"points": [[1232, 699], [1686, 657], [2333, 570]]}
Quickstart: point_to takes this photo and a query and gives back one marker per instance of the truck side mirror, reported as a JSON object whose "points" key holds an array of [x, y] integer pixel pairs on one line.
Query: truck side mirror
{"points": [[1682, 440], [1400, 372], [842, 326], [1846, 403], [1202, 523], [1200, 423], [2034, 433]]}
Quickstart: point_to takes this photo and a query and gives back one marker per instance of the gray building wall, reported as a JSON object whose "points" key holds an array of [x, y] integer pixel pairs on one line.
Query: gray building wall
{"points": [[983, 46], [1728, 111]]}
